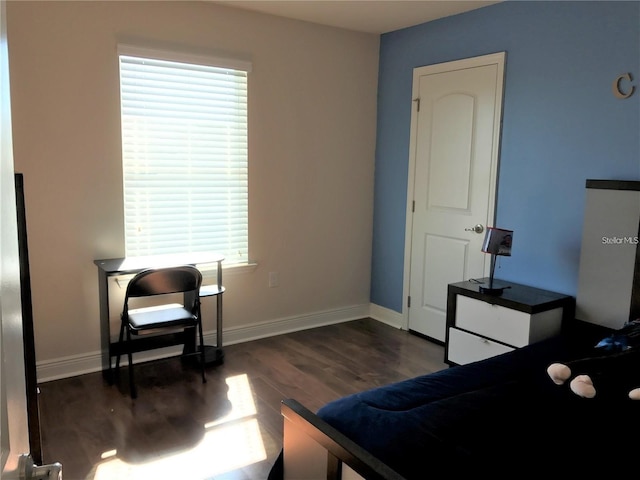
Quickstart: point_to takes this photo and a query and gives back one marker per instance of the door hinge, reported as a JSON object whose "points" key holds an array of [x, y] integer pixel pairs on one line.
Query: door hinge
{"points": [[413, 206], [409, 301], [417, 100]]}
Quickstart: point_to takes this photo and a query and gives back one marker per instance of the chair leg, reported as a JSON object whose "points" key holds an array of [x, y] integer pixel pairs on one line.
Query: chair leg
{"points": [[132, 387], [202, 356]]}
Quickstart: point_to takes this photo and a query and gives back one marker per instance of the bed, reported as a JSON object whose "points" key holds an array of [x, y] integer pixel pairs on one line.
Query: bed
{"points": [[502, 415]]}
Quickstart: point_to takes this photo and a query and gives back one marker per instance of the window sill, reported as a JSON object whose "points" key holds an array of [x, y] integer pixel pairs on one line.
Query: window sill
{"points": [[209, 273]]}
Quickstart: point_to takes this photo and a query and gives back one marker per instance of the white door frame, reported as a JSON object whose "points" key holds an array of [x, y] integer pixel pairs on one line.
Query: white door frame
{"points": [[499, 59], [14, 435]]}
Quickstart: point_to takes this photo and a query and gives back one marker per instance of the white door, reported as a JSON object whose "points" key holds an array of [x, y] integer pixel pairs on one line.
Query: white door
{"points": [[455, 135], [14, 436]]}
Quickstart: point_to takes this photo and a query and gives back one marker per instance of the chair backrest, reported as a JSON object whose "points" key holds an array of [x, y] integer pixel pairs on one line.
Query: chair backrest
{"points": [[163, 281]]}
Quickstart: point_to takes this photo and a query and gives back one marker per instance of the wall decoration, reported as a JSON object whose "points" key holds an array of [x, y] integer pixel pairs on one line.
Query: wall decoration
{"points": [[623, 92]]}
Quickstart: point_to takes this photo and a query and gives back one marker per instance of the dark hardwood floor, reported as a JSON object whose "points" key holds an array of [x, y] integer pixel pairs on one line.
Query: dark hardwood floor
{"points": [[229, 428]]}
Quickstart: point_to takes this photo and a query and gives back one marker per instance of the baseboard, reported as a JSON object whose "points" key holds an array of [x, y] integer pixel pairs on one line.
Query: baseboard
{"points": [[74, 365], [385, 315]]}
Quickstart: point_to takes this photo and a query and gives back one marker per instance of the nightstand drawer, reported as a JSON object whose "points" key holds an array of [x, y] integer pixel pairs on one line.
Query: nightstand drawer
{"points": [[494, 321], [465, 348]]}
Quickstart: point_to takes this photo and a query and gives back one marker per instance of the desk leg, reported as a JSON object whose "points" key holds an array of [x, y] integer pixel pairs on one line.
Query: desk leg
{"points": [[105, 330], [219, 321], [215, 355], [219, 353]]}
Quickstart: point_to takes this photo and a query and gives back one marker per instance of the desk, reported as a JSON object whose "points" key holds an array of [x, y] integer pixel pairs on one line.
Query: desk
{"points": [[126, 266]]}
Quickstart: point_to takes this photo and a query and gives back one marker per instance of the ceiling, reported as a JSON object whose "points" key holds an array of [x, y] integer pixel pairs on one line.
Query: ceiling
{"points": [[370, 16]]}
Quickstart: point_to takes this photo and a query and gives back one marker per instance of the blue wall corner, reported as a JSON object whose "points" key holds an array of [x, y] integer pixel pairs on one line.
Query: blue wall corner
{"points": [[561, 126]]}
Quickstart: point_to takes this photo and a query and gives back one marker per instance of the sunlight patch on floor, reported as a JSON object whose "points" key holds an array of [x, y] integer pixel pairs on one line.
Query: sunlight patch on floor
{"points": [[231, 442], [241, 398]]}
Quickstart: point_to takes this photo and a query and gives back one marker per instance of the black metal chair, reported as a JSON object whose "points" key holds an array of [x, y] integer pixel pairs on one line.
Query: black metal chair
{"points": [[177, 320]]}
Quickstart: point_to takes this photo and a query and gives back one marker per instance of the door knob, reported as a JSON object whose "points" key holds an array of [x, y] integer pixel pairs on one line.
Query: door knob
{"points": [[27, 470], [478, 229]]}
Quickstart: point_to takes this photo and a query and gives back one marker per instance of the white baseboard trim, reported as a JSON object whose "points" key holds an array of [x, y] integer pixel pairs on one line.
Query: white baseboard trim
{"points": [[74, 365], [384, 315]]}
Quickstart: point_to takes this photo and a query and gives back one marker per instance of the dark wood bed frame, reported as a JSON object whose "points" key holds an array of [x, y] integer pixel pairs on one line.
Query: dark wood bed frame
{"points": [[315, 450]]}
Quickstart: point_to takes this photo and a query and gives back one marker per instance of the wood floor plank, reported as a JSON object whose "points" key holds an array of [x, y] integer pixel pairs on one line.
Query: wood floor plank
{"points": [[229, 428]]}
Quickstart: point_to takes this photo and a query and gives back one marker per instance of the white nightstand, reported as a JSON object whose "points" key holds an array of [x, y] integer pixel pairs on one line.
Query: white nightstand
{"points": [[480, 326]]}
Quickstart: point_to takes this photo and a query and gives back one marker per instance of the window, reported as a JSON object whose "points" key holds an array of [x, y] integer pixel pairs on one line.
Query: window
{"points": [[184, 153]]}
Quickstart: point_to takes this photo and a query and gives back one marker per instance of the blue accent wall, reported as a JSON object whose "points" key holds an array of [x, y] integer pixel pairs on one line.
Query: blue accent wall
{"points": [[561, 126]]}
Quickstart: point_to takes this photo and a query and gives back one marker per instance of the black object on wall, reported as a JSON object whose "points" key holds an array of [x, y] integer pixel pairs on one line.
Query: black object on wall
{"points": [[33, 409]]}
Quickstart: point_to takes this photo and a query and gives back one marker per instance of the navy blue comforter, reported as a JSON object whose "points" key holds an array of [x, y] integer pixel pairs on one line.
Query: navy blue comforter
{"points": [[499, 415]]}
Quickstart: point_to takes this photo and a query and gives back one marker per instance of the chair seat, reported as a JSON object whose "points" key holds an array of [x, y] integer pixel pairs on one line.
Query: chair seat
{"points": [[164, 316]]}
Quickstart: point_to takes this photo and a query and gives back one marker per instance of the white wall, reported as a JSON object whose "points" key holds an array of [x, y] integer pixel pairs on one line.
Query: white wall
{"points": [[312, 115]]}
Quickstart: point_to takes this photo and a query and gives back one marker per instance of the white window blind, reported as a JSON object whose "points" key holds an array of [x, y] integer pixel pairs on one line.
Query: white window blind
{"points": [[184, 150]]}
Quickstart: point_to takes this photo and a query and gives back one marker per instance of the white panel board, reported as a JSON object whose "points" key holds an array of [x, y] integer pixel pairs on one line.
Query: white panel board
{"points": [[607, 256]]}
